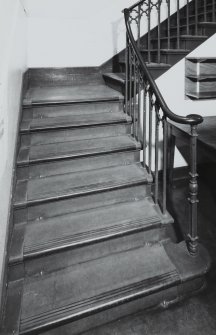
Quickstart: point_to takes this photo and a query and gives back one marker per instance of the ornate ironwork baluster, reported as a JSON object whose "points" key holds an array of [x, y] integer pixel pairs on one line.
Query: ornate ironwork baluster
{"points": [[178, 25], [213, 10], [159, 30], [130, 77], [196, 17], [138, 26], [205, 10], [126, 74], [144, 123], [165, 138], [134, 94], [187, 20], [150, 132], [139, 103], [193, 192], [149, 30], [157, 123], [168, 23]]}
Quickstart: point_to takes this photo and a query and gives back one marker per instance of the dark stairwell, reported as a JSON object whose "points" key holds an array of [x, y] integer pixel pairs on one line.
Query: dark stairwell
{"points": [[92, 239]]}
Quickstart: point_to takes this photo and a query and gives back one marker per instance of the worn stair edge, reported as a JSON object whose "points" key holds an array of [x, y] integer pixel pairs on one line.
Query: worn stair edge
{"points": [[188, 278], [26, 126], [118, 297], [62, 166], [25, 159], [177, 277], [28, 102], [22, 199]]}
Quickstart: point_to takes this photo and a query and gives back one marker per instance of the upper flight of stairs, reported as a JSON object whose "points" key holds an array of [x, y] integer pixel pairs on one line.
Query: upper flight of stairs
{"points": [[169, 57]]}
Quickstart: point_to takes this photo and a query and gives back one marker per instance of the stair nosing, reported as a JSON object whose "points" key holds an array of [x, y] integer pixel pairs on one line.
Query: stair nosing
{"points": [[32, 103], [83, 191], [99, 152], [89, 306], [121, 228]]}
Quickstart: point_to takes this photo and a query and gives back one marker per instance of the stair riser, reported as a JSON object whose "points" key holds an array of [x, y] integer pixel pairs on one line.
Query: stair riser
{"points": [[115, 85], [154, 72], [192, 31], [78, 164], [68, 257], [55, 136], [63, 76], [81, 203], [157, 300], [164, 58], [75, 109], [184, 44]]}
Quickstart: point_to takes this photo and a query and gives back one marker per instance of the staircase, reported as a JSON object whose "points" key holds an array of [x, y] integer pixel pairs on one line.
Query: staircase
{"points": [[92, 239], [178, 35]]}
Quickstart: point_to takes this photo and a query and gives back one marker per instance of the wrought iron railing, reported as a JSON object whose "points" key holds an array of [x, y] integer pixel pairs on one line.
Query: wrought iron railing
{"points": [[150, 113], [194, 11]]}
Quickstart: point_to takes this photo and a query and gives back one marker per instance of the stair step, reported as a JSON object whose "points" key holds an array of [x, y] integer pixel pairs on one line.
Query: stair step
{"points": [[75, 149], [79, 109], [59, 187], [88, 288], [156, 69], [70, 95], [74, 230], [166, 51], [73, 121]]}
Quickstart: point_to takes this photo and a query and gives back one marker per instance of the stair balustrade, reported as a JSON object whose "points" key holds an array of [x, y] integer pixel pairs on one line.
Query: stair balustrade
{"points": [[147, 107]]}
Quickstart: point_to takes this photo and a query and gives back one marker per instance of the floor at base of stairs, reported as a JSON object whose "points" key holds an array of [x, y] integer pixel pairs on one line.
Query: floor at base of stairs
{"points": [[197, 315]]}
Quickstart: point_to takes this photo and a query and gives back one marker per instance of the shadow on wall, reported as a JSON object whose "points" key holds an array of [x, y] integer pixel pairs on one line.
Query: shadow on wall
{"points": [[118, 30]]}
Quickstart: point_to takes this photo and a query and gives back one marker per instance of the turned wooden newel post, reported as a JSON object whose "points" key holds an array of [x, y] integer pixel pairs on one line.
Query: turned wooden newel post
{"points": [[193, 192]]}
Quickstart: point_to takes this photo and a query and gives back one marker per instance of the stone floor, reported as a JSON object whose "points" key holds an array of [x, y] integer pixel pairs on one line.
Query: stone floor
{"points": [[197, 315]]}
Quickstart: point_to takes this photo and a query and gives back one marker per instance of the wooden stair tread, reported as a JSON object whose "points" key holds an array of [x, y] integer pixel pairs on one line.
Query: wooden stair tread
{"points": [[70, 94], [153, 66], [167, 51], [184, 37], [86, 227], [43, 190], [90, 287], [74, 149], [73, 121]]}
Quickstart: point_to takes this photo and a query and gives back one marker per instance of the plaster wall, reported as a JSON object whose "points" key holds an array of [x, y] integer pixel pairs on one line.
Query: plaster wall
{"points": [[12, 65], [70, 33]]}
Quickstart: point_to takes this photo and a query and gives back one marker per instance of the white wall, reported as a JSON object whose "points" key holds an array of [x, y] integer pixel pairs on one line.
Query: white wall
{"points": [[68, 33], [12, 66], [172, 86]]}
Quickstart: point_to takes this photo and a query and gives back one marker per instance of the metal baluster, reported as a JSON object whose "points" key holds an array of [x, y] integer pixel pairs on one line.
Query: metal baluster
{"points": [[150, 133], [205, 10], [139, 105], [168, 24], [196, 17], [149, 31], [187, 14], [130, 84], [165, 137], [193, 191], [159, 27], [138, 27], [213, 10], [178, 25], [157, 123], [144, 124], [126, 74], [134, 94]]}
